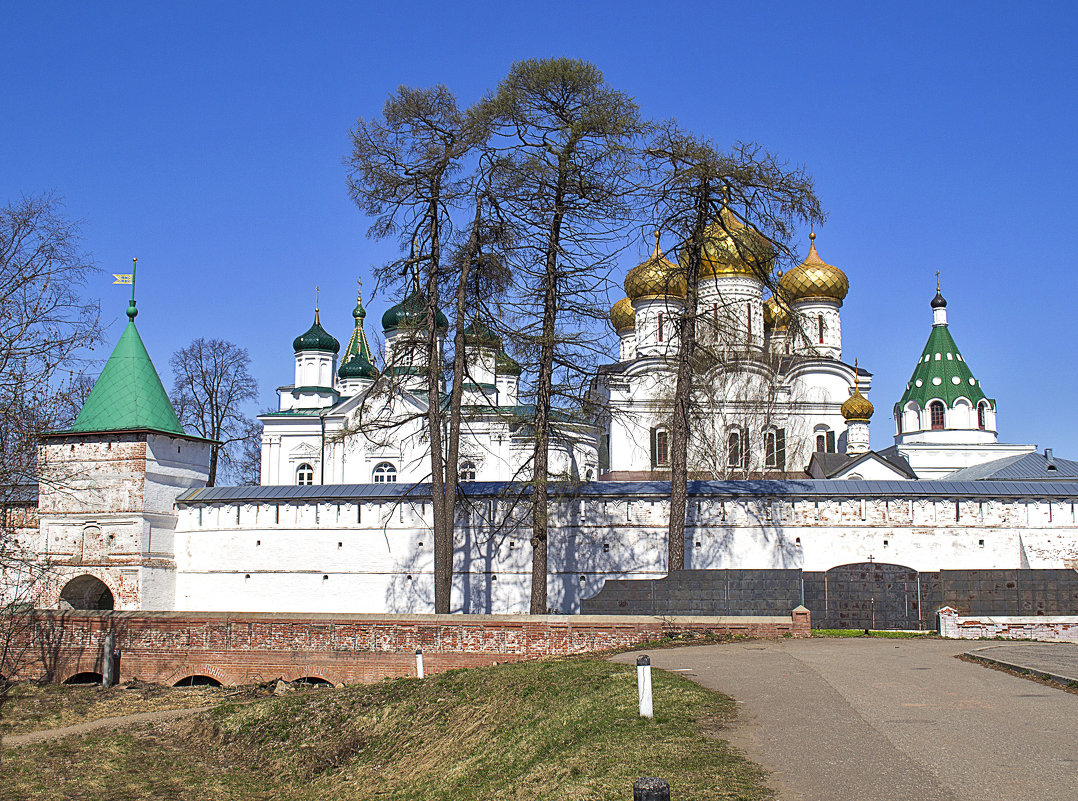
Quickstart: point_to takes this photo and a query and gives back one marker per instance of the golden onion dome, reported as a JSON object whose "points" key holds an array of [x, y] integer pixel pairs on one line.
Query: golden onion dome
{"points": [[622, 315], [857, 406], [733, 247], [657, 276], [815, 278], [775, 315]]}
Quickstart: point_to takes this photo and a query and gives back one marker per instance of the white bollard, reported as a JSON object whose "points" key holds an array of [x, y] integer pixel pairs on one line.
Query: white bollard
{"points": [[643, 686], [418, 663]]}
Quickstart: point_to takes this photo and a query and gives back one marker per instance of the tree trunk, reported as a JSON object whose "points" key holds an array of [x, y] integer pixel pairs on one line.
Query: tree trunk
{"points": [[443, 519], [452, 470], [212, 477], [541, 456], [686, 365]]}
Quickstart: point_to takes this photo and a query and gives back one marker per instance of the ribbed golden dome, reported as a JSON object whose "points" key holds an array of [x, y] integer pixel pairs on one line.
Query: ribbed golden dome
{"points": [[657, 276], [774, 314], [815, 278], [733, 247], [622, 315], [857, 406]]}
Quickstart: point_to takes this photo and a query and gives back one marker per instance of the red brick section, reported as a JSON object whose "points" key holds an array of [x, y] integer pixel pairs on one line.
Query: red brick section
{"points": [[236, 648]]}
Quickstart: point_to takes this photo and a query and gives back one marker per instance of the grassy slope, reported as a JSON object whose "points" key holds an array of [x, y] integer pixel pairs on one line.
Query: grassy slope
{"points": [[33, 707], [564, 729]]}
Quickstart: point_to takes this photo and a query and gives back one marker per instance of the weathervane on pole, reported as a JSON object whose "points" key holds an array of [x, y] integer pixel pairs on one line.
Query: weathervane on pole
{"points": [[129, 278]]}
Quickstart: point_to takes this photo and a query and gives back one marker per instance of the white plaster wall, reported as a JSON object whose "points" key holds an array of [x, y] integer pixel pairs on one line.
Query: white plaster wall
{"points": [[376, 557], [938, 461]]}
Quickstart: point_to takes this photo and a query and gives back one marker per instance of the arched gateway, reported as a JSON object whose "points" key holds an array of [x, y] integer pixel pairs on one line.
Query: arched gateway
{"points": [[86, 592]]}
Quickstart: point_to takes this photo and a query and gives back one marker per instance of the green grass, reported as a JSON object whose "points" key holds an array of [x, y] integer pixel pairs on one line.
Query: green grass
{"points": [[557, 729], [887, 635]]}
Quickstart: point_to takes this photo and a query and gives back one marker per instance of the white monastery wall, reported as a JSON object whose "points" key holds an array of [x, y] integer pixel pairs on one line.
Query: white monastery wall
{"points": [[376, 555]]}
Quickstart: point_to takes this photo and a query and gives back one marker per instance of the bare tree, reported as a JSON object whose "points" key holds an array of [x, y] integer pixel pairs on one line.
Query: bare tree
{"points": [[211, 384], [739, 206], [568, 142], [406, 172], [44, 324], [245, 466]]}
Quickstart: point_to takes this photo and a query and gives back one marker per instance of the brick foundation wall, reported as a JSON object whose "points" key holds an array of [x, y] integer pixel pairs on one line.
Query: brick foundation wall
{"points": [[166, 647]]}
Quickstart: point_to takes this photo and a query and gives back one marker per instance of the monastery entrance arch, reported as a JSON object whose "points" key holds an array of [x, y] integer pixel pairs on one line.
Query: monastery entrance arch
{"points": [[868, 595], [86, 592]]}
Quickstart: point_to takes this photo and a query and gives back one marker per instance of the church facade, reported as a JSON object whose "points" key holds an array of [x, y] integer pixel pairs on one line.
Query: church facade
{"points": [[342, 519]]}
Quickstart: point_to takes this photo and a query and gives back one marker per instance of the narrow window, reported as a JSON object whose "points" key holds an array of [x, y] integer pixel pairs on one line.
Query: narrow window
{"points": [[780, 449], [736, 454], [830, 441], [748, 308], [821, 443], [662, 447], [385, 473], [660, 326], [304, 475], [770, 450], [935, 409], [715, 322], [980, 416], [819, 325]]}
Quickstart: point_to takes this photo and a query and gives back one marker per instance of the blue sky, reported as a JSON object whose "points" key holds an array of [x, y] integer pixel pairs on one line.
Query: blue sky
{"points": [[207, 140]]}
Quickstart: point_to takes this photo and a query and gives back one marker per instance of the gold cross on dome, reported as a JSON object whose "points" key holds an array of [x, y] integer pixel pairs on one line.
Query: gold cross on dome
{"points": [[937, 280]]}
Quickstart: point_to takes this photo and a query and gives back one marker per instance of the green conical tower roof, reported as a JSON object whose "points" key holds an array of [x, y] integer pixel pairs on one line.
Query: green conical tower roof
{"points": [[128, 395], [357, 361], [941, 372]]}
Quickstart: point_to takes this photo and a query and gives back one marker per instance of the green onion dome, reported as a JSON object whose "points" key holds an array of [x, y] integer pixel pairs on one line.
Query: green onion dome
{"points": [[504, 364], [316, 338], [479, 335], [410, 313], [357, 367]]}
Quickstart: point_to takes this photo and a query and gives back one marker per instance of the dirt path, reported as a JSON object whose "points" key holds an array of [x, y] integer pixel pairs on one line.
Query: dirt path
{"points": [[101, 723]]}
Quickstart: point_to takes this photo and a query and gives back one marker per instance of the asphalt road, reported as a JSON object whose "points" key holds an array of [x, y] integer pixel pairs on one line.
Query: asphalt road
{"points": [[883, 720]]}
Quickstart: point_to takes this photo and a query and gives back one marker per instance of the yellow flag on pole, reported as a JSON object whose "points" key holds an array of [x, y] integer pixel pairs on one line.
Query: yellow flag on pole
{"points": [[123, 279]]}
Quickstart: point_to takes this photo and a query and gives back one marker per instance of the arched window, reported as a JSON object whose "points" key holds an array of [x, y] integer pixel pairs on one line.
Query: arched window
{"points": [[980, 415], [737, 454], [589, 474], [467, 471], [660, 326], [385, 473], [825, 441], [775, 449], [935, 409], [305, 475], [819, 325], [661, 447]]}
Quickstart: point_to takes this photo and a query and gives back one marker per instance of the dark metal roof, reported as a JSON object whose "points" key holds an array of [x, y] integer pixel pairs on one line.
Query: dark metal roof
{"points": [[818, 488], [1024, 467], [831, 464]]}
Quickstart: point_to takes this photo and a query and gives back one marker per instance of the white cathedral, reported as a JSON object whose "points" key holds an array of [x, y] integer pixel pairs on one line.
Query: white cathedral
{"points": [[784, 476], [781, 395]]}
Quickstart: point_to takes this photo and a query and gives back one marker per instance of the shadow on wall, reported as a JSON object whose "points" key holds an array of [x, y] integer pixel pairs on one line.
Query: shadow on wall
{"points": [[591, 541]]}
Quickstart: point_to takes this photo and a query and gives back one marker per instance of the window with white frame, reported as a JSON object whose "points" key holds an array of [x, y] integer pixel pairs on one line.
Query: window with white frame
{"points": [[384, 473], [467, 471], [304, 475]]}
